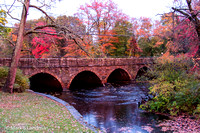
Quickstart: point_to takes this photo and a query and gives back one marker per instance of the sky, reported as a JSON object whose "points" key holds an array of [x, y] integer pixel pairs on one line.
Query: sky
{"points": [[133, 8]]}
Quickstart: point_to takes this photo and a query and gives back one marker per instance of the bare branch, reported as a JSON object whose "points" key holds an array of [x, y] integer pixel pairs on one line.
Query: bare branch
{"points": [[45, 26], [42, 27], [42, 12], [182, 12], [11, 5], [189, 5], [12, 43], [42, 32], [8, 11], [12, 16]]}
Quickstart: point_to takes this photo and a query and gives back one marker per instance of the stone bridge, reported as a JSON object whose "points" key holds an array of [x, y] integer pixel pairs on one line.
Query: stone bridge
{"points": [[64, 73]]}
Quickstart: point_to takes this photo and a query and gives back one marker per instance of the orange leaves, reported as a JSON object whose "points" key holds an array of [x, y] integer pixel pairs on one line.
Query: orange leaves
{"points": [[158, 43], [144, 27], [143, 33], [107, 48], [73, 50], [14, 38], [106, 42]]}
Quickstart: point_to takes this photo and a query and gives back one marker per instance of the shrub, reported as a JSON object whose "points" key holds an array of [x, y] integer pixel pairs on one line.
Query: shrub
{"points": [[21, 81], [174, 87], [197, 111]]}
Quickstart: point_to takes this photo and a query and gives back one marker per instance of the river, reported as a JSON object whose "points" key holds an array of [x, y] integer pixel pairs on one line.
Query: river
{"points": [[114, 109]]}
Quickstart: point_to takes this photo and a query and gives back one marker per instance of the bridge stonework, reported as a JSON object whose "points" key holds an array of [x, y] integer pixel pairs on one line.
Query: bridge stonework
{"points": [[65, 69]]}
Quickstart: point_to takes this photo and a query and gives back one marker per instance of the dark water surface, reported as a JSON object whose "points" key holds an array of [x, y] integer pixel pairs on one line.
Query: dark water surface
{"points": [[114, 109]]}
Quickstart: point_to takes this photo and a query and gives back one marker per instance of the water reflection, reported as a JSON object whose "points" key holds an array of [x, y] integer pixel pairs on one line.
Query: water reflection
{"points": [[114, 109]]}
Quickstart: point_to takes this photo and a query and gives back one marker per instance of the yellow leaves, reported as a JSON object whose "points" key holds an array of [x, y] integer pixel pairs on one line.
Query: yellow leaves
{"points": [[72, 49], [3, 21]]}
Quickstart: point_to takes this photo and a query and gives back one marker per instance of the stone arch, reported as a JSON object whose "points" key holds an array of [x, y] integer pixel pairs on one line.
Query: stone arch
{"points": [[141, 71], [45, 81], [118, 75], [85, 79]]}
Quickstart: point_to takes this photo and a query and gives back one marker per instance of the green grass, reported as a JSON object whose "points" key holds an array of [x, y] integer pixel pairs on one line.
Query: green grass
{"points": [[28, 112]]}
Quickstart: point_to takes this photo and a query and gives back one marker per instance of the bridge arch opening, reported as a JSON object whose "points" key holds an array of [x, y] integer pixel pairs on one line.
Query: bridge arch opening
{"points": [[142, 74], [119, 76], [45, 83], [85, 80]]}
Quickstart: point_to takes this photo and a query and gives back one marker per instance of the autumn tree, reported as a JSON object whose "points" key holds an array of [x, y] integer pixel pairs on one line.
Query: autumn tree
{"points": [[99, 16], [122, 32], [150, 37], [4, 32], [179, 34], [144, 34], [191, 12], [26, 50], [29, 42], [185, 38], [133, 48], [43, 44], [163, 33], [67, 46]]}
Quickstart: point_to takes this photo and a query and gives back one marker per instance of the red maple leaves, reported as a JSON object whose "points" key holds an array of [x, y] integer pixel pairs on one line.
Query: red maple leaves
{"points": [[43, 41]]}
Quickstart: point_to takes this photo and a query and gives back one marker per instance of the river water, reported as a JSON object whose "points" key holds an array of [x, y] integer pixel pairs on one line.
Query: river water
{"points": [[114, 109]]}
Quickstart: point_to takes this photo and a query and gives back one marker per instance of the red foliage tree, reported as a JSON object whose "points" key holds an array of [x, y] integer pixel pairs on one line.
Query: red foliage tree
{"points": [[186, 38], [190, 9], [179, 33], [42, 42]]}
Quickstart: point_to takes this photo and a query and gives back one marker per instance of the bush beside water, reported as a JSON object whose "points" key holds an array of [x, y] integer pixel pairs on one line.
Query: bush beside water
{"points": [[21, 81], [176, 89]]}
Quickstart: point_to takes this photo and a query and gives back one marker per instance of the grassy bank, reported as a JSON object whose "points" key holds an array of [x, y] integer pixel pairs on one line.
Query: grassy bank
{"points": [[28, 112]]}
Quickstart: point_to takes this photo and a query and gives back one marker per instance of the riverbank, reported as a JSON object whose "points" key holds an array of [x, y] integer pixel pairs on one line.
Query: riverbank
{"points": [[177, 124], [181, 124], [29, 112]]}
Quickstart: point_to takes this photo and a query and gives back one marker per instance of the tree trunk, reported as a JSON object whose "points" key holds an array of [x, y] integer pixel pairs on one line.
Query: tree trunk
{"points": [[8, 87], [198, 33]]}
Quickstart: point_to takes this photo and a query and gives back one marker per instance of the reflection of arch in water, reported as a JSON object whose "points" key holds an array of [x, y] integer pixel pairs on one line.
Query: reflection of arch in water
{"points": [[85, 79], [141, 72], [45, 82], [118, 76]]}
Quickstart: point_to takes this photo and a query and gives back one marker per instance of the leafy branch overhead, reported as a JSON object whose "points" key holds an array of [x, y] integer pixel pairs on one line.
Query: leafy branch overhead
{"points": [[191, 12]]}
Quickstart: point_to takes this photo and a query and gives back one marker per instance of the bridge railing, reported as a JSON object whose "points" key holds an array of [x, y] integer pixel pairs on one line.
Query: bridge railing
{"points": [[5, 61], [75, 62]]}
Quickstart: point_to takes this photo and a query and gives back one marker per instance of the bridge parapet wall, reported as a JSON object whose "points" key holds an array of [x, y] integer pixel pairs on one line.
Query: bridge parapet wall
{"points": [[75, 62]]}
